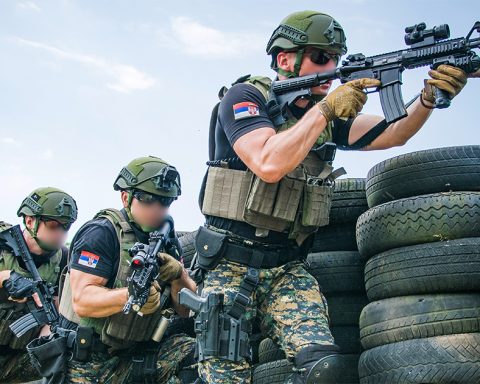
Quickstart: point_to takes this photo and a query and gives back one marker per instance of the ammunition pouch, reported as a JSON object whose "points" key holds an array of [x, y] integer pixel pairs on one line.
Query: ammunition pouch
{"points": [[49, 355], [210, 246], [86, 342]]}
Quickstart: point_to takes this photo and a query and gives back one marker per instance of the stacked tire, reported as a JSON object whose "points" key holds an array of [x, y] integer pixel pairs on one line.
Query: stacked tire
{"points": [[187, 243], [421, 243], [336, 264]]}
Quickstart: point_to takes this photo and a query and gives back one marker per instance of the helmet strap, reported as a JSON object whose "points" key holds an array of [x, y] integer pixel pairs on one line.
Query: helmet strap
{"points": [[296, 67]]}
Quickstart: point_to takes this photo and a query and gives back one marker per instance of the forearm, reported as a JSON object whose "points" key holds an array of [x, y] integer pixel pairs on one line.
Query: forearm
{"points": [[284, 151], [398, 133], [176, 286], [96, 301]]}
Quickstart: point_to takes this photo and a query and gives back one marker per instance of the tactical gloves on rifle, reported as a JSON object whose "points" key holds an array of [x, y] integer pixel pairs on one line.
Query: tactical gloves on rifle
{"points": [[18, 287], [447, 78], [153, 301], [347, 100], [171, 269]]}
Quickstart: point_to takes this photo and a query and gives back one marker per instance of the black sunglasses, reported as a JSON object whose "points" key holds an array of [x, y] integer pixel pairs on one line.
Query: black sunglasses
{"points": [[322, 57], [55, 224], [147, 198]]}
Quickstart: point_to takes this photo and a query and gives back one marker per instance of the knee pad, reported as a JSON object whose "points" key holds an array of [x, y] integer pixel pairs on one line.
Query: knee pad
{"points": [[322, 364]]}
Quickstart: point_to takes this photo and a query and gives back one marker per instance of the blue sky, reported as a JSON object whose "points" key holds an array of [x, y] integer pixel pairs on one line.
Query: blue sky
{"points": [[88, 85]]}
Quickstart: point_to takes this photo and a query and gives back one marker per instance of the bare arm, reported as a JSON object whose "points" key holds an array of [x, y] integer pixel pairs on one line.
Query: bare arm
{"points": [[92, 299], [271, 156], [183, 282], [397, 134]]}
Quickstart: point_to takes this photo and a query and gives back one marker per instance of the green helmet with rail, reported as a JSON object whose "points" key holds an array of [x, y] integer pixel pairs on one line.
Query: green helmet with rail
{"points": [[304, 29], [48, 203], [149, 174]]}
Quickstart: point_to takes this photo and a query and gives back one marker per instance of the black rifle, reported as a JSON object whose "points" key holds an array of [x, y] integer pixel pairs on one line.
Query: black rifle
{"points": [[47, 314], [428, 47], [145, 266]]}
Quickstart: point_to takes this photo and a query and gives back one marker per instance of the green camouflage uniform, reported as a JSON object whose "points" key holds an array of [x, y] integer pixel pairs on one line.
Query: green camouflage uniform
{"points": [[288, 305]]}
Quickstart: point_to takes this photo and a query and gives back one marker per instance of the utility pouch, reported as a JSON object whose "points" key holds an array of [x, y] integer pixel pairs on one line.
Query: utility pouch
{"points": [[210, 247]]}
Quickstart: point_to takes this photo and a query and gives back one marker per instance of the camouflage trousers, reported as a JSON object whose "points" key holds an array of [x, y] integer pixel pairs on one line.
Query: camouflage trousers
{"points": [[287, 305], [15, 367], [175, 353]]}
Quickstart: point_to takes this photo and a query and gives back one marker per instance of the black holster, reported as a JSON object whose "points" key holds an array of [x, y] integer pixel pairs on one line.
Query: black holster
{"points": [[219, 334]]}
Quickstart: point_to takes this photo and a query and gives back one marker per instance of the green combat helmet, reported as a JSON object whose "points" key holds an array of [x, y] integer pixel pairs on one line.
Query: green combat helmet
{"points": [[50, 203], [303, 29], [151, 175]]}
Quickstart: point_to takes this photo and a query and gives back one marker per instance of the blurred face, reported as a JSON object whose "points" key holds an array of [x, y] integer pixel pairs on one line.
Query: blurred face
{"points": [[148, 211], [50, 231], [314, 60]]}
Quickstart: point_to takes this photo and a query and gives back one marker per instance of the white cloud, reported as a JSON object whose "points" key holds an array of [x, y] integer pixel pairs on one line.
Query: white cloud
{"points": [[29, 6], [10, 141], [196, 39], [126, 78]]}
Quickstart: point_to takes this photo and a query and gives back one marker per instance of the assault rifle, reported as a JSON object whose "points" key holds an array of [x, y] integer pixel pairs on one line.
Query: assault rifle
{"points": [[427, 47]]}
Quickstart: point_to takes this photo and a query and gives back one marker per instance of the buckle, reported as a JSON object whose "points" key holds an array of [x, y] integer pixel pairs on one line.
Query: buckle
{"points": [[242, 299], [252, 277]]}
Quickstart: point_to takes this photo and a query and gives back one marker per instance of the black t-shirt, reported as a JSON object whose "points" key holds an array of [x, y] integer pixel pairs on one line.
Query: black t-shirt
{"points": [[95, 248], [242, 110]]}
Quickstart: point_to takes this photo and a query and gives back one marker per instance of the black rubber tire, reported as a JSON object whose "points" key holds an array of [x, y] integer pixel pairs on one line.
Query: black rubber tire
{"points": [[446, 266], [349, 201], [337, 272], [340, 237], [269, 351], [416, 317], [435, 360], [274, 372], [255, 340], [424, 172], [187, 242], [416, 220], [345, 309], [347, 338]]}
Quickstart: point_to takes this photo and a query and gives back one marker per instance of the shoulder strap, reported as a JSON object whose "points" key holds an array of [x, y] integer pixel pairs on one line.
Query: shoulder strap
{"points": [[116, 218]]}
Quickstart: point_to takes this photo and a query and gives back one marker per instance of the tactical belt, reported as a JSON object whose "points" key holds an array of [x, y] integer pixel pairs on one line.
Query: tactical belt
{"points": [[261, 258]]}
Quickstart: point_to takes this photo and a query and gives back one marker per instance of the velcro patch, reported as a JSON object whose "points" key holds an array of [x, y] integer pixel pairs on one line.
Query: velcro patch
{"points": [[245, 109], [88, 259]]}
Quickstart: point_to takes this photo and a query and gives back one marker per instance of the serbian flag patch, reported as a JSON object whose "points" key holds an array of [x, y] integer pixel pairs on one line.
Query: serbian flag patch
{"points": [[245, 109], [88, 259]]}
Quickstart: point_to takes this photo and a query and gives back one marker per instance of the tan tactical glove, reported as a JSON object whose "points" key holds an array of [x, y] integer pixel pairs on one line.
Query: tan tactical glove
{"points": [[171, 268], [446, 78], [347, 100], [153, 302]]}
